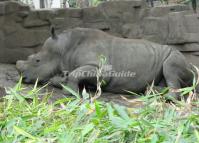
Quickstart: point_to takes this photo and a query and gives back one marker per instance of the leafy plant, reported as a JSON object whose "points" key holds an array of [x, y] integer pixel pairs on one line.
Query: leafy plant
{"points": [[26, 116]]}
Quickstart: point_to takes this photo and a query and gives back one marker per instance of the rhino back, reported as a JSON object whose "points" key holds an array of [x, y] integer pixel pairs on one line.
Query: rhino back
{"points": [[137, 54]]}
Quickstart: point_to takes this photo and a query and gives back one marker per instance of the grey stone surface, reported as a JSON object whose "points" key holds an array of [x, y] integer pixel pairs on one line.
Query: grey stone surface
{"points": [[128, 32], [12, 55], [22, 28], [25, 38], [160, 11], [46, 14], [33, 20], [192, 58], [180, 31], [155, 29], [7, 7], [189, 47]]}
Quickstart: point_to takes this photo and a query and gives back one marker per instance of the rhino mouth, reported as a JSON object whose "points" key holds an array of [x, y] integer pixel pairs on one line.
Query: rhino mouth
{"points": [[26, 80]]}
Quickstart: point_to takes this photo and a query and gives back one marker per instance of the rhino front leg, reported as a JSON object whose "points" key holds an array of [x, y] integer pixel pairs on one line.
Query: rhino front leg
{"points": [[58, 80], [83, 74]]}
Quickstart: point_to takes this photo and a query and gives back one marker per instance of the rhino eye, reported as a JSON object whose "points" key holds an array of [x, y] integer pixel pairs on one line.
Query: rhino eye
{"points": [[37, 60]]}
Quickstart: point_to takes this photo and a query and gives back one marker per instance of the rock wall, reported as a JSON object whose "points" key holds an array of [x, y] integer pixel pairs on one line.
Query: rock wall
{"points": [[23, 30]]}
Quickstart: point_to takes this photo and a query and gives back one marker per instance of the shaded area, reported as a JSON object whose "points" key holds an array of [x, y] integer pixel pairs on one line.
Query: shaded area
{"points": [[9, 78]]}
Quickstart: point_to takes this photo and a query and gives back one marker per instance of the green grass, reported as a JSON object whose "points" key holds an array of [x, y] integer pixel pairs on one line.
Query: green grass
{"points": [[27, 117]]}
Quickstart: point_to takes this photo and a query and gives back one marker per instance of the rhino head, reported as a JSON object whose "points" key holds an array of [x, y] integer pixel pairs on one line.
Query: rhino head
{"points": [[46, 63], [41, 66]]}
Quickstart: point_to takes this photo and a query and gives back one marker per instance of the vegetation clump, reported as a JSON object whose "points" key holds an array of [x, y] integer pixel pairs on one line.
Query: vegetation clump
{"points": [[27, 116]]}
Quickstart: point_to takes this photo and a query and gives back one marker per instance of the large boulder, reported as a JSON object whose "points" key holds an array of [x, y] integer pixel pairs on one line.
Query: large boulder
{"points": [[94, 18], [155, 29], [12, 55], [22, 28], [193, 59], [163, 10], [16, 41], [180, 32], [33, 20], [8, 7], [189, 47]]}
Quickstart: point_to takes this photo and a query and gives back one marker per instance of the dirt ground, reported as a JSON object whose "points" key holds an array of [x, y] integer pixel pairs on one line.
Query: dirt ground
{"points": [[9, 77]]}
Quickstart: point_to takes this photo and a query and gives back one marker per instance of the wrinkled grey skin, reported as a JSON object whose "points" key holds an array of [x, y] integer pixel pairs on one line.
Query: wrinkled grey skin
{"points": [[79, 49]]}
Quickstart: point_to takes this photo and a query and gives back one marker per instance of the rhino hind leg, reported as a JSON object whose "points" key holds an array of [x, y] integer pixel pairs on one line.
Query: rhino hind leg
{"points": [[176, 73]]}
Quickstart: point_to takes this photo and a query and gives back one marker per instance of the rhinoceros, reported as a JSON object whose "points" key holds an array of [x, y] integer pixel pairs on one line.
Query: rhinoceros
{"points": [[78, 50]]}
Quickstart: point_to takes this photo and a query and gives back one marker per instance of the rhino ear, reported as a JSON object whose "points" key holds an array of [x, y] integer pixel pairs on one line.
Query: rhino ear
{"points": [[52, 31]]}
